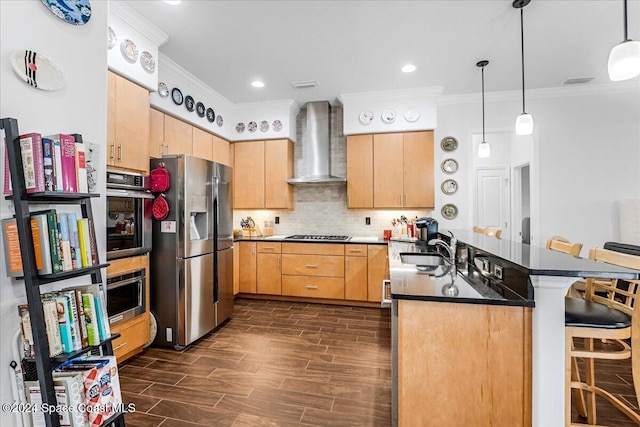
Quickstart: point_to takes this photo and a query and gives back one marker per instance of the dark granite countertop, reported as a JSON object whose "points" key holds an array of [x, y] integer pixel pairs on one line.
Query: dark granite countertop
{"points": [[281, 238], [540, 261]]}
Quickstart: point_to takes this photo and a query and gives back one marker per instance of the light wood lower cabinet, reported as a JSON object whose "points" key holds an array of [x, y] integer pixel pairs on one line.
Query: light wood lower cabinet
{"points": [[248, 273], [475, 370], [377, 271], [313, 265], [313, 287], [269, 269], [355, 278]]}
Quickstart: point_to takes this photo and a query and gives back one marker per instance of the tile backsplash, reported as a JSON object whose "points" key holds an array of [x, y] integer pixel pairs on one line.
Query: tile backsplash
{"points": [[322, 208]]}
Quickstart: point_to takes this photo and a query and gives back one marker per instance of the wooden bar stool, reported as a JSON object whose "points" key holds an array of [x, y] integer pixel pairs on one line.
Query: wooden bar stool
{"points": [[611, 317], [560, 244], [487, 231]]}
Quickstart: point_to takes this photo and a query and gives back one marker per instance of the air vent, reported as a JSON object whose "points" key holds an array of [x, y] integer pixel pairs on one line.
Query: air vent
{"points": [[304, 85], [578, 81]]}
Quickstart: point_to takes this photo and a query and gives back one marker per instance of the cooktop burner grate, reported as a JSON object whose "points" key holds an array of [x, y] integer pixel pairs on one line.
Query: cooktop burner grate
{"points": [[315, 237]]}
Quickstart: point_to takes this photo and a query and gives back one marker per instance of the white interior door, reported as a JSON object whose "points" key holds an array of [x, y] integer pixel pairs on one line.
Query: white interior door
{"points": [[493, 199]]}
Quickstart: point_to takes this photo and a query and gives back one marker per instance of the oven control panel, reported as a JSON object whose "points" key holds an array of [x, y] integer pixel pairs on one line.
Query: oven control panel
{"points": [[118, 179]]}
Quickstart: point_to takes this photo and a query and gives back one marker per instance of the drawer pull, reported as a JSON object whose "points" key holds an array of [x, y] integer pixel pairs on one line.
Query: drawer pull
{"points": [[355, 250], [312, 265], [312, 287], [119, 346], [268, 247]]}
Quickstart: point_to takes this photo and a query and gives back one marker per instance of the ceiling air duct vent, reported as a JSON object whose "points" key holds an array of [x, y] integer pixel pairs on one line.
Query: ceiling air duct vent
{"points": [[578, 81], [304, 85]]}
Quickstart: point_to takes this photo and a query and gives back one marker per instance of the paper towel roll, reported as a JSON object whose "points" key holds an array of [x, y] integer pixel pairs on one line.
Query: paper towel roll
{"points": [[630, 221]]}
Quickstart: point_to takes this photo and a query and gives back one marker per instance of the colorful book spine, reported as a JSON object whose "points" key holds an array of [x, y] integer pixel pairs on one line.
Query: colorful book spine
{"points": [[68, 150], [81, 319], [72, 222], [35, 398], [57, 162], [93, 244], [99, 317], [81, 165], [64, 322], [28, 348], [47, 161], [7, 172], [52, 327], [54, 240], [32, 162], [45, 243], [93, 334], [85, 244], [73, 382], [75, 320], [12, 252], [65, 243]]}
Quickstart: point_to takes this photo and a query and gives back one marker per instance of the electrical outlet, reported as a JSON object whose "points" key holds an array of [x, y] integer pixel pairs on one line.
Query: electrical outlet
{"points": [[367, 220], [497, 271], [277, 220], [485, 265]]}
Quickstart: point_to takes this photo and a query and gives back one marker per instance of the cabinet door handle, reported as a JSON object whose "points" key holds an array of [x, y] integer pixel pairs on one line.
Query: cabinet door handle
{"points": [[112, 153], [161, 149], [119, 152], [405, 200], [268, 247], [312, 287], [355, 250], [312, 265], [253, 248], [278, 263], [347, 264], [119, 346]]}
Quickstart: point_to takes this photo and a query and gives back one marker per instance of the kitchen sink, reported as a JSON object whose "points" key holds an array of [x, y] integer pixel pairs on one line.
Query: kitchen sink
{"points": [[423, 261]]}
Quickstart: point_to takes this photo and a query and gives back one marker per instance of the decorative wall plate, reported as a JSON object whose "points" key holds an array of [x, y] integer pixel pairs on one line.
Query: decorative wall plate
{"points": [[36, 70], [129, 50], [147, 62], [412, 114], [163, 90], [76, 12], [111, 38], [449, 186], [449, 143], [200, 109], [176, 95], [264, 126], [276, 125], [252, 126], [449, 211], [389, 115], [211, 115], [240, 127], [366, 117], [449, 166], [219, 121], [189, 103]]}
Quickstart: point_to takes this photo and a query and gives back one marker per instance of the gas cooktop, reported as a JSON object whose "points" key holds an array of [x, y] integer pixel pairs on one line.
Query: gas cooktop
{"points": [[317, 237]]}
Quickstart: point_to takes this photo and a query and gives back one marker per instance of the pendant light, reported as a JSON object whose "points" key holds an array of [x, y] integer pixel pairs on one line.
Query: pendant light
{"points": [[484, 149], [624, 59], [524, 122]]}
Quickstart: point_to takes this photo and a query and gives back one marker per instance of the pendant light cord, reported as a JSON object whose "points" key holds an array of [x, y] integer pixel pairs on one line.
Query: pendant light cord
{"points": [[483, 139], [522, 54], [626, 34]]}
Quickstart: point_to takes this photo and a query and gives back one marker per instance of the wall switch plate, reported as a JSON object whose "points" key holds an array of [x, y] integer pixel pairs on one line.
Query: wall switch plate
{"points": [[497, 271], [367, 220], [485, 265], [277, 220]]}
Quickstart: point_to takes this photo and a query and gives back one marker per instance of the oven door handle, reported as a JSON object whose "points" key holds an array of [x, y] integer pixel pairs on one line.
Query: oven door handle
{"points": [[126, 193], [116, 285]]}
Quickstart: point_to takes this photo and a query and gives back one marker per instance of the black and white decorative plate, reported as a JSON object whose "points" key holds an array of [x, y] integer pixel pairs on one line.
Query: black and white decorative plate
{"points": [[240, 127], [189, 103], [277, 125], [36, 70], [211, 115], [176, 95], [200, 109], [252, 126], [264, 126], [219, 121], [163, 90]]}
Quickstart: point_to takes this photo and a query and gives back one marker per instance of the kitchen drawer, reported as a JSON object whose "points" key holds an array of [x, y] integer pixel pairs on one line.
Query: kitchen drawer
{"points": [[314, 287], [313, 248], [269, 247], [355, 250], [313, 265], [133, 335]]}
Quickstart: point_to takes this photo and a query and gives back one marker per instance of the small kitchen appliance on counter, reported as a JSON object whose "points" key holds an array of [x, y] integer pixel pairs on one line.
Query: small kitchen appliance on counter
{"points": [[427, 229]]}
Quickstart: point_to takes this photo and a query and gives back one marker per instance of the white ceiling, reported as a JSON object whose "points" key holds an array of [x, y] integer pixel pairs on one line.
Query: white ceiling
{"points": [[360, 46]]}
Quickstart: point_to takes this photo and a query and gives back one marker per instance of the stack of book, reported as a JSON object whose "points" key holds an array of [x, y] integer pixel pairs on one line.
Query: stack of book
{"points": [[75, 318], [62, 242], [52, 163]]}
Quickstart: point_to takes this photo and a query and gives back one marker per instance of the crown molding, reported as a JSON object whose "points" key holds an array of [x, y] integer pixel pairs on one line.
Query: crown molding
{"points": [[168, 65], [419, 92], [137, 21], [553, 92]]}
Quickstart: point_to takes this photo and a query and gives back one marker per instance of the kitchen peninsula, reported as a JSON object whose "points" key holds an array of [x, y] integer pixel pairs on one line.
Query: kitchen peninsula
{"points": [[495, 329]]}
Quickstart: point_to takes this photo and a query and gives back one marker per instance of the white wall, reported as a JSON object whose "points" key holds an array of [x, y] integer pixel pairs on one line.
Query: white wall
{"points": [[588, 145], [80, 107]]}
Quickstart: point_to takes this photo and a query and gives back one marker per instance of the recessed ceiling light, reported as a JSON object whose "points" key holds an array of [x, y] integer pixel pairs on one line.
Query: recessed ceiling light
{"points": [[408, 68], [257, 83], [172, 2]]}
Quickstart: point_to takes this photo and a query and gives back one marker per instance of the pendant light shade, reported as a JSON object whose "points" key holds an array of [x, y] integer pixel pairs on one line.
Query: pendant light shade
{"points": [[484, 149], [624, 59], [524, 122]]}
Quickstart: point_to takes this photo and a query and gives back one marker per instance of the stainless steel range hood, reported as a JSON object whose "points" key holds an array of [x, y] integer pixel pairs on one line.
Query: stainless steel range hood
{"points": [[317, 147]]}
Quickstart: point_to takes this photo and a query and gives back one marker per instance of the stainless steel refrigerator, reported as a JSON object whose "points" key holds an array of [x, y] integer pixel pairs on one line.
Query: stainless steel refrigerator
{"points": [[191, 281]]}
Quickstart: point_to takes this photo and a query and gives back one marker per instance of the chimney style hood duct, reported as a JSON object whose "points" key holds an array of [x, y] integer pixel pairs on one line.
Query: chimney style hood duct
{"points": [[317, 147]]}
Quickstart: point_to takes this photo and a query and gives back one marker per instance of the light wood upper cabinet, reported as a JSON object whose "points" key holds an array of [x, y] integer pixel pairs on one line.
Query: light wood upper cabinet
{"points": [[156, 134], [202, 144], [127, 124], [403, 170], [259, 173], [360, 171], [220, 150], [178, 136]]}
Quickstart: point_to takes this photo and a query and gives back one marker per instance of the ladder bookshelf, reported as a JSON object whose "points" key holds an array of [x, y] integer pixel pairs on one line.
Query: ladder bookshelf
{"points": [[32, 280]]}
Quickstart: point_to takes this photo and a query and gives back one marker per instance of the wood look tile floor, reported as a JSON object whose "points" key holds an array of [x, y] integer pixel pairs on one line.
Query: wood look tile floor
{"points": [[289, 364]]}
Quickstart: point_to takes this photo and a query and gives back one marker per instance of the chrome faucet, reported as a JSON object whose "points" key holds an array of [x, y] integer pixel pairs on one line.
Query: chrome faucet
{"points": [[450, 247]]}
